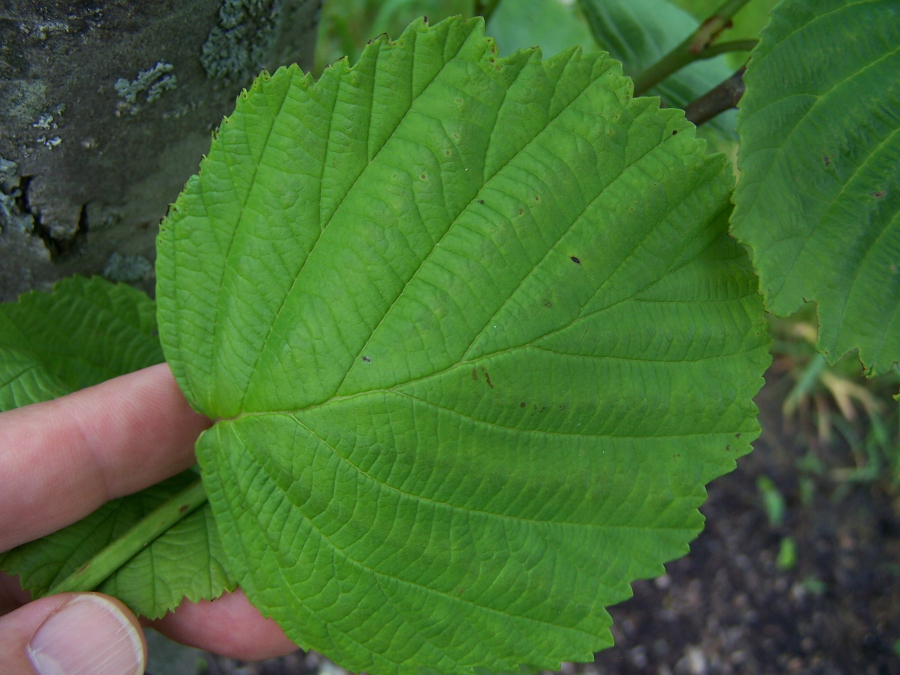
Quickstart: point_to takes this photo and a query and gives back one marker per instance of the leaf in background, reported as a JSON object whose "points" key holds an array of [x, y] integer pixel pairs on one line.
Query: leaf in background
{"points": [[640, 32], [819, 194], [476, 337], [84, 332], [552, 25], [51, 344]]}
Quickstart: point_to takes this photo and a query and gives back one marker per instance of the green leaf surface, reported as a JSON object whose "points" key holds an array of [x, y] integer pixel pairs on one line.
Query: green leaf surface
{"points": [[819, 196], [640, 32], [51, 344], [84, 332], [476, 337]]}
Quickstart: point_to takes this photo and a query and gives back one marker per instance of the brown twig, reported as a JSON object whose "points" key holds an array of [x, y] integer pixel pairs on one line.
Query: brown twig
{"points": [[717, 100]]}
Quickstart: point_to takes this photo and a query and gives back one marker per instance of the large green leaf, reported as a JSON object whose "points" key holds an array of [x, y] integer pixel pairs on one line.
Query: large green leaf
{"points": [[640, 32], [476, 337], [85, 332], [819, 195]]}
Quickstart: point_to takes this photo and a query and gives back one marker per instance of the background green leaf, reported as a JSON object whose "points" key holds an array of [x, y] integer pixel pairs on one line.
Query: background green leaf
{"points": [[819, 195], [552, 25], [51, 344], [640, 32], [85, 332], [476, 337]]}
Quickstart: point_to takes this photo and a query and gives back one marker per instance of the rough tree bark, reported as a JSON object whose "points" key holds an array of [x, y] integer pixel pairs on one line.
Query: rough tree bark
{"points": [[105, 110]]}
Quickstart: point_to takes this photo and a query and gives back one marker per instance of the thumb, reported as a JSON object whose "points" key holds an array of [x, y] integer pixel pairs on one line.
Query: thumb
{"points": [[72, 634]]}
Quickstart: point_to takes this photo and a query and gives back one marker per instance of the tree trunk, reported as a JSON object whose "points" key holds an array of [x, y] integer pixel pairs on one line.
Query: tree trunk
{"points": [[106, 108]]}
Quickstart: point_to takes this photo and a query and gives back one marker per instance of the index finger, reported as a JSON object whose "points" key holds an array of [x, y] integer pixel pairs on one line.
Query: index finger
{"points": [[62, 459]]}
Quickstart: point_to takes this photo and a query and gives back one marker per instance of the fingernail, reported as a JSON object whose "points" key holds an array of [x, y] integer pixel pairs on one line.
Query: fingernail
{"points": [[88, 635]]}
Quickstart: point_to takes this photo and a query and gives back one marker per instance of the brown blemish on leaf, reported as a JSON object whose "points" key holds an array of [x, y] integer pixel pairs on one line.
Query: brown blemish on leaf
{"points": [[487, 378], [879, 194], [548, 304], [827, 160], [522, 404], [475, 374], [575, 260], [367, 359]]}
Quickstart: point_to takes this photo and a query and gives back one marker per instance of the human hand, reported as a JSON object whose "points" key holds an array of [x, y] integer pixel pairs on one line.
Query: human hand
{"points": [[63, 459]]}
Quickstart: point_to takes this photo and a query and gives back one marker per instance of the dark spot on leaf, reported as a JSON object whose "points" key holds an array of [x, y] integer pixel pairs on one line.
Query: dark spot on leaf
{"points": [[674, 132], [447, 152], [548, 304], [562, 407], [481, 201], [475, 374], [367, 359], [536, 198], [522, 404], [183, 508], [728, 448], [424, 176], [575, 260], [827, 160], [521, 211], [879, 194], [737, 435], [487, 378]]}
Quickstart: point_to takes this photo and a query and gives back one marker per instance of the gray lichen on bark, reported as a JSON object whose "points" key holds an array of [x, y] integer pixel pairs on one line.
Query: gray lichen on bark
{"points": [[106, 108]]}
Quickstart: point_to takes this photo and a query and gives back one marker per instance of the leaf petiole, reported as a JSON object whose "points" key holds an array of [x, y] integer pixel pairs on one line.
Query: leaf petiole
{"points": [[99, 568]]}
